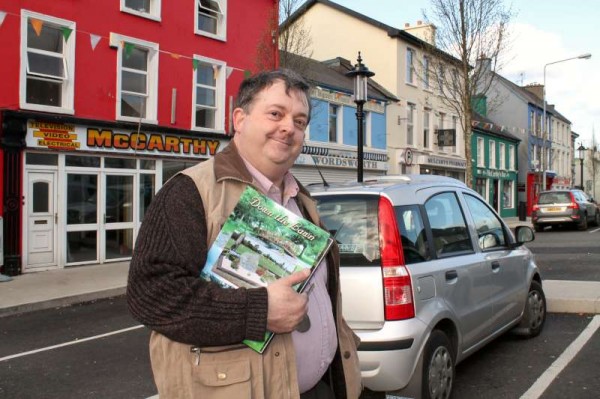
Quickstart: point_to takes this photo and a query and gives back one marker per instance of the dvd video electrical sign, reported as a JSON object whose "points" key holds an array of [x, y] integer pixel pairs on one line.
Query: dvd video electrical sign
{"points": [[70, 137]]}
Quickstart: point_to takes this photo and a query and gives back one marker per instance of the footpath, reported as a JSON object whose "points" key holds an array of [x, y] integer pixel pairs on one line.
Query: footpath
{"points": [[55, 288]]}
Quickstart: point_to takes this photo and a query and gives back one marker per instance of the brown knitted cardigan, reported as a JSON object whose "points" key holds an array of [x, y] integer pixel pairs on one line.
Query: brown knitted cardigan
{"points": [[164, 291]]}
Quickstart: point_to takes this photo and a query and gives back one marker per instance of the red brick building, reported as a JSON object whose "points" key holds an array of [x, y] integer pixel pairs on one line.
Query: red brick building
{"points": [[102, 102]]}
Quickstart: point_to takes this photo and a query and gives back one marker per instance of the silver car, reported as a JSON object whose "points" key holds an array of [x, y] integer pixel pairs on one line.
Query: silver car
{"points": [[564, 207], [429, 274]]}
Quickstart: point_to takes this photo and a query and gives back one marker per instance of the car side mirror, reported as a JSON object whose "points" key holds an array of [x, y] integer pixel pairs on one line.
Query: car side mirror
{"points": [[524, 234]]}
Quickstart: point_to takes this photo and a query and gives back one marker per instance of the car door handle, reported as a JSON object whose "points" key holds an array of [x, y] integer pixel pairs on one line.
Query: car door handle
{"points": [[451, 275], [495, 265]]}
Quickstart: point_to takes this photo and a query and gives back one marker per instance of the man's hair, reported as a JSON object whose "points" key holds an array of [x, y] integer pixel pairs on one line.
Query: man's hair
{"points": [[250, 87]]}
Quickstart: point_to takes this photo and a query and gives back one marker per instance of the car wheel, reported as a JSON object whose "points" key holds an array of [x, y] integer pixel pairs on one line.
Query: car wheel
{"points": [[584, 223], [538, 228], [534, 314], [438, 367], [597, 219]]}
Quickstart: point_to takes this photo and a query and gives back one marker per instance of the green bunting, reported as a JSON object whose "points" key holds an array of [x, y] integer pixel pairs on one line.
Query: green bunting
{"points": [[66, 32]]}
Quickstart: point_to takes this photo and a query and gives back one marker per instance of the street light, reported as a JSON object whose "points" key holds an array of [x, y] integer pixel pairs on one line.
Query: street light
{"points": [[585, 56], [361, 74], [581, 150]]}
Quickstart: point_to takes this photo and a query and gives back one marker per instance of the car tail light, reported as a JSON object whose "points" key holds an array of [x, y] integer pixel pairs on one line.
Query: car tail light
{"points": [[398, 299], [573, 204], [536, 207]]}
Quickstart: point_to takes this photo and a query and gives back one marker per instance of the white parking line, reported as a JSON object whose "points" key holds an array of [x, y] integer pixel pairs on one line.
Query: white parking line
{"points": [[542, 383], [595, 230], [77, 341]]}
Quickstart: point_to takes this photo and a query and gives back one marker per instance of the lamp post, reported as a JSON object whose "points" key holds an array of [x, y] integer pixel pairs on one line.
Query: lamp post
{"points": [[581, 150], [585, 56], [361, 74]]}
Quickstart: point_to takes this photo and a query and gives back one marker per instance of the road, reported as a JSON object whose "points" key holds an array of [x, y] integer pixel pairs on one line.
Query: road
{"points": [[96, 350], [566, 254]]}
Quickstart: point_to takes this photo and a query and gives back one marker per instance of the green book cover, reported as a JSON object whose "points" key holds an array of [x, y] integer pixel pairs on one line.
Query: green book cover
{"points": [[260, 242]]}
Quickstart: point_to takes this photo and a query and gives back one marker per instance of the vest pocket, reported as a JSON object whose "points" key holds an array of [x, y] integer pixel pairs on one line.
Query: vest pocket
{"points": [[226, 380]]}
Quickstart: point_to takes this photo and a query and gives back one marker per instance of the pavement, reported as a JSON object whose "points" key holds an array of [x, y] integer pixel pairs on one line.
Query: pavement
{"points": [[55, 288]]}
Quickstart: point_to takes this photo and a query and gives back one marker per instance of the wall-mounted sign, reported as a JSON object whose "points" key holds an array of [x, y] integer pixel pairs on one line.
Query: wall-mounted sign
{"points": [[441, 161], [408, 157], [68, 137], [446, 137]]}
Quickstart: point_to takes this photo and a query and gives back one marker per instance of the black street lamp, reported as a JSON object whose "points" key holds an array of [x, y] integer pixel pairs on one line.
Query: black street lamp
{"points": [[361, 74], [581, 150]]}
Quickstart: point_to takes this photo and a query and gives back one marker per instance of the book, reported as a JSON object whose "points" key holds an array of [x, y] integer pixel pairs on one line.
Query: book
{"points": [[262, 241]]}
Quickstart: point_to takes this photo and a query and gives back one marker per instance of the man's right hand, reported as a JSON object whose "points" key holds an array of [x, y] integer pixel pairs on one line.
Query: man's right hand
{"points": [[286, 306]]}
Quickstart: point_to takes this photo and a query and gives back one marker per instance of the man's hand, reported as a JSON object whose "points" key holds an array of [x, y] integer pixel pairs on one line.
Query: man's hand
{"points": [[286, 306]]}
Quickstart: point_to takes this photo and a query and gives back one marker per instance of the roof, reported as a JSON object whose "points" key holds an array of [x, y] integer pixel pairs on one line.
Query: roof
{"points": [[331, 74], [391, 31], [530, 97], [494, 128]]}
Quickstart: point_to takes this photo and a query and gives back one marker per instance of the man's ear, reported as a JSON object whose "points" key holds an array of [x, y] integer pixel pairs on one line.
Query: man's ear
{"points": [[239, 116]]}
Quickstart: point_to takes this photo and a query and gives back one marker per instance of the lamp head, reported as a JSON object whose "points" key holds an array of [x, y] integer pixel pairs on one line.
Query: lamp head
{"points": [[585, 56]]}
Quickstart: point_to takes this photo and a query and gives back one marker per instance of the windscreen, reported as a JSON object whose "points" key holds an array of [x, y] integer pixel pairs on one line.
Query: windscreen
{"points": [[554, 198]]}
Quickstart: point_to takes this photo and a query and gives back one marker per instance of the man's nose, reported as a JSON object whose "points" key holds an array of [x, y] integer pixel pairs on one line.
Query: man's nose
{"points": [[287, 124]]}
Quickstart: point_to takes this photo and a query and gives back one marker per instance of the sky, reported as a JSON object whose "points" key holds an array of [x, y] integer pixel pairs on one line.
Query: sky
{"points": [[541, 32]]}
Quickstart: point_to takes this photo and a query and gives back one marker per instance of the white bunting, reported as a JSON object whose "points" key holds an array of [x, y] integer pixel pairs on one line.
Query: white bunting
{"points": [[94, 39], [2, 15], [228, 72]]}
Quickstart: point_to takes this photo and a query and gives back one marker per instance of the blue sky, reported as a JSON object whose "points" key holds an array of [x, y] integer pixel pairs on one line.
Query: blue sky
{"points": [[542, 31]]}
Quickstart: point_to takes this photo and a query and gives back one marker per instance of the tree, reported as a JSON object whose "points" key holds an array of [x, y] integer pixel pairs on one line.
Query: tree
{"points": [[291, 39], [469, 30]]}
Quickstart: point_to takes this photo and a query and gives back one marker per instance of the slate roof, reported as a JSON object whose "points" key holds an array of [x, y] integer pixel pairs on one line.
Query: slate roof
{"points": [[330, 74]]}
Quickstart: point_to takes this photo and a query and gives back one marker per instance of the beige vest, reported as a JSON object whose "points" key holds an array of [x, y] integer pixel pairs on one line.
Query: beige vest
{"points": [[237, 371]]}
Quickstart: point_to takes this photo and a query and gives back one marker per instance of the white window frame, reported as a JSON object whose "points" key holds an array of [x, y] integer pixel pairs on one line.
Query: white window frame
{"points": [[480, 152], [153, 13], [118, 41], [455, 127], [510, 203], [410, 123], [221, 71], [502, 163], [427, 128], [68, 86], [492, 147], [221, 20], [426, 77], [410, 66], [337, 122]]}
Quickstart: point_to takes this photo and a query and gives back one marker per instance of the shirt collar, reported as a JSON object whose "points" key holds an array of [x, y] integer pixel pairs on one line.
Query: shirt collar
{"points": [[290, 185]]}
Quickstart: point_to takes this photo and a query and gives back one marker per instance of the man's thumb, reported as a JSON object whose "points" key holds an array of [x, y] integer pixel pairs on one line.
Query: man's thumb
{"points": [[296, 277]]}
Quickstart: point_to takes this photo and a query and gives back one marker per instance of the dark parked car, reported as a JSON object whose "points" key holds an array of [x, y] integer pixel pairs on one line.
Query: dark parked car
{"points": [[564, 207]]}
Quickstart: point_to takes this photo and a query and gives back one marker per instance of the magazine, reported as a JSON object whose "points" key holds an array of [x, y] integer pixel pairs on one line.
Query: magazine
{"points": [[260, 242]]}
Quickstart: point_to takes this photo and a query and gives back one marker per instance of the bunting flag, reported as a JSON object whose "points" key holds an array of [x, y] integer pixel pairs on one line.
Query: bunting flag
{"points": [[37, 25], [195, 64], [128, 48], [215, 72], [2, 15], [228, 72], [94, 39], [176, 56], [66, 32], [247, 74]]}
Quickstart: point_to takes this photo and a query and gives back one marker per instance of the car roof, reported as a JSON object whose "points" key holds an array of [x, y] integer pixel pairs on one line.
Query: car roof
{"points": [[387, 184]]}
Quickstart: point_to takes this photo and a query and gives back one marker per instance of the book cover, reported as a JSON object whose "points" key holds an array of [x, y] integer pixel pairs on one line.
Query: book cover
{"points": [[260, 242]]}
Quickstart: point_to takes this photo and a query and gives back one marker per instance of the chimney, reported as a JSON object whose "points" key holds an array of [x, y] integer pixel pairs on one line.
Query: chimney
{"points": [[536, 89], [423, 31]]}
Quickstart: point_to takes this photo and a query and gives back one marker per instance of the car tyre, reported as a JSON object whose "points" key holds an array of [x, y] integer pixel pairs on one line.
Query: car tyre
{"points": [[438, 367], [534, 315], [583, 225], [538, 228], [597, 219]]}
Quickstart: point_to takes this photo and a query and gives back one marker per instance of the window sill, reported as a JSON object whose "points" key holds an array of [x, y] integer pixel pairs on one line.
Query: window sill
{"points": [[142, 14], [47, 108], [221, 38]]}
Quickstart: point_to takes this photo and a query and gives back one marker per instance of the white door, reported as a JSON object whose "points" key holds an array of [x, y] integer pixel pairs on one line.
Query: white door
{"points": [[41, 219]]}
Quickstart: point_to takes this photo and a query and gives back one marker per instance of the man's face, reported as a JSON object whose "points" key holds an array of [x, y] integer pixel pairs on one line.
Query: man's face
{"points": [[271, 134]]}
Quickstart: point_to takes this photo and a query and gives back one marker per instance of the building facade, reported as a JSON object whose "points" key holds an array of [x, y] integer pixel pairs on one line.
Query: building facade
{"points": [[420, 118], [102, 102], [330, 151]]}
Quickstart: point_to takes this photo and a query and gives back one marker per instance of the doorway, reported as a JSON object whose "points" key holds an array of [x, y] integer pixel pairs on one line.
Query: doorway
{"points": [[42, 213]]}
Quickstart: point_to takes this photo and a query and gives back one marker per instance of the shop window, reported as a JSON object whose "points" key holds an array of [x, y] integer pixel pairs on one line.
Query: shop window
{"points": [[34, 158], [147, 164], [508, 194], [171, 168], [143, 8], [83, 162], [209, 94], [119, 163], [481, 187], [333, 123], [211, 18], [82, 246], [137, 79], [48, 63]]}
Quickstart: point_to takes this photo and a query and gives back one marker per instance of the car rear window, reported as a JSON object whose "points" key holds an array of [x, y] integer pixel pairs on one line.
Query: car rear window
{"points": [[554, 198], [352, 221]]}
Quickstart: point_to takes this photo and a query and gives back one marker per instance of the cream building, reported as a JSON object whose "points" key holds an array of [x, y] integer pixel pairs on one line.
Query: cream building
{"points": [[413, 124]]}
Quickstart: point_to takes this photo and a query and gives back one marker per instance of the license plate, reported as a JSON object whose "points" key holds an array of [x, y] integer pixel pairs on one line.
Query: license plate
{"points": [[554, 209]]}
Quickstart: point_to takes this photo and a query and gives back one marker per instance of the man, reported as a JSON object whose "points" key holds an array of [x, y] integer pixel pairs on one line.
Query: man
{"points": [[196, 344]]}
